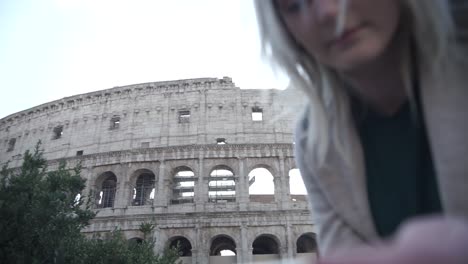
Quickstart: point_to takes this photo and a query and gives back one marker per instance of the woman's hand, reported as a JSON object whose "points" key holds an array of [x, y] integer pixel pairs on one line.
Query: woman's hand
{"points": [[434, 240]]}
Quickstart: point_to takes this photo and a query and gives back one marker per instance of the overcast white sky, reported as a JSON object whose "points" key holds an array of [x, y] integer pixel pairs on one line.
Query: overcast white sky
{"points": [[50, 49]]}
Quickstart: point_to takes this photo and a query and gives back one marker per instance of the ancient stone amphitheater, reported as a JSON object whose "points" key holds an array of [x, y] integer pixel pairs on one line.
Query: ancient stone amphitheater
{"points": [[188, 155]]}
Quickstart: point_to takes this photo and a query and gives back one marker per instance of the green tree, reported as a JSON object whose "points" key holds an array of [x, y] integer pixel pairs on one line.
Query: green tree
{"points": [[42, 214]]}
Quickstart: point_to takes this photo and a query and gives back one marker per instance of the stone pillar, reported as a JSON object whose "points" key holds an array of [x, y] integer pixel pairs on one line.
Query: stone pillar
{"points": [[159, 242], [196, 252], [283, 255], [203, 250], [129, 185], [244, 254], [284, 184], [278, 189], [160, 198], [242, 190], [201, 190], [122, 187], [90, 189], [289, 241]]}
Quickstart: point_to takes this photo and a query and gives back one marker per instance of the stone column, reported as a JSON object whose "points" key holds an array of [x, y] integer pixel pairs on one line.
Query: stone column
{"points": [[289, 241], [284, 184], [196, 248], [129, 185], [160, 198], [122, 187], [245, 254], [201, 190], [283, 255], [159, 244], [242, 190], [90, 188], [203, 250]]}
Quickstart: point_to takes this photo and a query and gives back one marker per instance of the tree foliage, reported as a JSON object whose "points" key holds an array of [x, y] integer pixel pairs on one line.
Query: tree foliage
{"points": [[41, 216]]}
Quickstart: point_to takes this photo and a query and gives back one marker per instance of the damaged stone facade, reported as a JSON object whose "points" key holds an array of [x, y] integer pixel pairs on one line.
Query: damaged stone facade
{"points": [[179, 154]]}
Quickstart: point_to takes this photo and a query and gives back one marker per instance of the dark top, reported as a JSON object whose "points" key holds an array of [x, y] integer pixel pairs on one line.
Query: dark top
{"points": [[400, 175]]}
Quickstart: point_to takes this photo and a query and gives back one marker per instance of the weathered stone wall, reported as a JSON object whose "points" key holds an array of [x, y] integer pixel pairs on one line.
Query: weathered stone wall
{"points": [[148, 118], [151, 138]]}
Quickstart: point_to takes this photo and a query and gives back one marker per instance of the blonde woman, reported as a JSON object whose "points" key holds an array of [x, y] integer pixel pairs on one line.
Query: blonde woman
{"points": [[383, 139]]}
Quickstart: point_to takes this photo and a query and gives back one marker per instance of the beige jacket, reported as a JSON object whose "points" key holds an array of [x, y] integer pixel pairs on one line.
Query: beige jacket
{"points": [[338, 194]]}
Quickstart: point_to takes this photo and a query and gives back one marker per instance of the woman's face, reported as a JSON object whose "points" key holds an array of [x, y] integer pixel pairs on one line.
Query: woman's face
{"points": [[368, 29]]}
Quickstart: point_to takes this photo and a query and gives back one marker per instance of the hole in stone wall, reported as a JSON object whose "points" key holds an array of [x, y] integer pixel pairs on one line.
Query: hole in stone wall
{"points": [[257, 114], [58, 132], [114, 122], [11, 144], [184, 116]]}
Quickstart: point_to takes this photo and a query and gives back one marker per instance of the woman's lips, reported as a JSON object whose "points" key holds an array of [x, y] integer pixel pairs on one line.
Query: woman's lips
{"points": [[345, 37]]}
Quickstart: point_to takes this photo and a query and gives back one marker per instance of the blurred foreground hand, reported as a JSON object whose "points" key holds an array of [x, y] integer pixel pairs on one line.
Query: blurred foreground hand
{"points": [[434, 240]]}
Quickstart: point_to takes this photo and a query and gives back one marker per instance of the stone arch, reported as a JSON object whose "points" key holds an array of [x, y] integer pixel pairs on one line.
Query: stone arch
{"points": [[222, 243], [262, 163], [266, 244], [143, 187], [261, 184], [222, 184], [185, 247], [106, 184], [183, 185], [306, 243]]}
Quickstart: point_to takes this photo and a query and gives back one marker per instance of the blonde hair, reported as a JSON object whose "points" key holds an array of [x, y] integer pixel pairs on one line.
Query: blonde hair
{"points": [[433, 31]]}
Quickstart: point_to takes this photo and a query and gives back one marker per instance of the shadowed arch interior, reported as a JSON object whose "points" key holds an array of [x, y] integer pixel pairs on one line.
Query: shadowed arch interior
{"points": [[306, 243], [222, 243], [185, 247], [135, 240], [106, 195], [144, 191], [265, 244]]}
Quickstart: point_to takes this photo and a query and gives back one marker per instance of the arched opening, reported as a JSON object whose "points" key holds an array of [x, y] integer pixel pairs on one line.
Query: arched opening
{"points": [[297, 188], [265, 244], [306, 243], [261, 186], [106, 195], [223, 246], [144, 191], [135, 241], [222, 185], [183, 186], [183, 244]]}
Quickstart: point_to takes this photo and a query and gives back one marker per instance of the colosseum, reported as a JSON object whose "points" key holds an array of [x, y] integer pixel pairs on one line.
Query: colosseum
{"points": [[210, 164]]}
